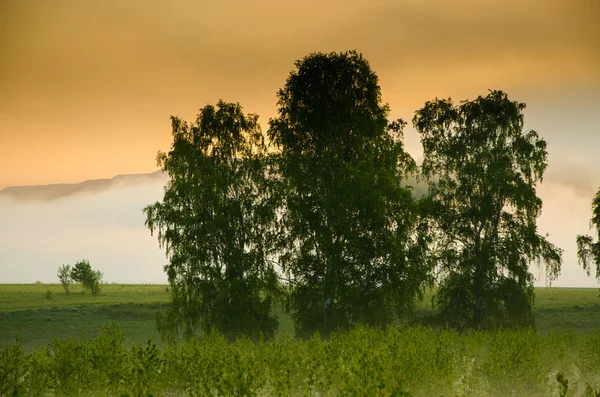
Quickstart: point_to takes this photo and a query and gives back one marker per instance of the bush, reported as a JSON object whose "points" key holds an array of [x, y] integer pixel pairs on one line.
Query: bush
{"points": [[13, 370], [367, 361], [95, 282]]}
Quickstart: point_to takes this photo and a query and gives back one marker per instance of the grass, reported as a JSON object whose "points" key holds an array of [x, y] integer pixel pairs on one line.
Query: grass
{"points": [[38, 327], [556, 308], [32, 296], [25, 309], [570, 308]]}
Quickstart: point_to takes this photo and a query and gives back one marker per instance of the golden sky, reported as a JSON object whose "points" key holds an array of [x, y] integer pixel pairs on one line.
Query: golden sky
{"points": [[87, 87]]}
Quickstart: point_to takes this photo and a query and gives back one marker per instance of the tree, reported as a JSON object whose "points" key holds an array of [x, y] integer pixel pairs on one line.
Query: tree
{"points": [[482, 170], [216, 223], [64, 275], [588, 252], [83, 274], [94, 282], [350, 242]]}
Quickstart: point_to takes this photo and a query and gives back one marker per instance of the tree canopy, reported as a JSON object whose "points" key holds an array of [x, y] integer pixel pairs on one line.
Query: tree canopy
{"points": [[588, 251], [328, 209], [216, 223], [350, 238], [482, 169]]}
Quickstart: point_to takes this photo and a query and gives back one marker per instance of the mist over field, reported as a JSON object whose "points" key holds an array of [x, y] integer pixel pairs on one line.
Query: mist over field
{"points": [[43, 227], [103, 222]]}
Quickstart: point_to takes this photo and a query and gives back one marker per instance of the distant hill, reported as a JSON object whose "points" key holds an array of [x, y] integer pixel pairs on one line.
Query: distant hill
{"points": [[57, 191]]}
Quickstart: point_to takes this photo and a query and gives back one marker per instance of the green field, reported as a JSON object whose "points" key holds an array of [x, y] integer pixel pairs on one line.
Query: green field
{"points": [[409, 361], [25, 309], [557, 308]]}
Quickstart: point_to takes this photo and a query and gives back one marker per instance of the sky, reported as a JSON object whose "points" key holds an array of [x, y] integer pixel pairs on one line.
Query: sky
{"points": [[87, 88]]}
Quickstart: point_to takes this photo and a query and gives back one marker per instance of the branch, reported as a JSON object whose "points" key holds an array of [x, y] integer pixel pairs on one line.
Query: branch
{"points": [[584, 252]]}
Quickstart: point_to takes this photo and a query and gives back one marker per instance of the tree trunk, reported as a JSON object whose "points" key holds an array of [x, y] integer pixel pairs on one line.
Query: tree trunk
{"points": [[481, 286], [478, 282], [478, 285], [328, 297]]}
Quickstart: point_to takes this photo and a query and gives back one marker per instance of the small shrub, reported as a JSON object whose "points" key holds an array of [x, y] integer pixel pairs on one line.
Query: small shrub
{"points": [[563, 384], [72, 368], [13, 370], [363, 362], [40, 378], [95, 282], [109, 357], [146, 365], [48, 294], [590, 392]]}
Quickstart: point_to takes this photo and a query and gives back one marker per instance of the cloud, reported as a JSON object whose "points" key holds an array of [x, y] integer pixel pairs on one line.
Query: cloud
{"points": [[82, 83], [575, 180], [135, 49]]}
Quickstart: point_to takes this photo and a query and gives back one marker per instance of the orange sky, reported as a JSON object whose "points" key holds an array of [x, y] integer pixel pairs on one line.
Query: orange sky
{"points": [[87, 87]]}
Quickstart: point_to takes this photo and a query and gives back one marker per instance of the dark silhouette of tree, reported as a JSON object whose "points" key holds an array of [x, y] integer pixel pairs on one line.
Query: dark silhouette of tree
{"points": [[216, 222], [482, 170], [588, 251], [351, 242]]}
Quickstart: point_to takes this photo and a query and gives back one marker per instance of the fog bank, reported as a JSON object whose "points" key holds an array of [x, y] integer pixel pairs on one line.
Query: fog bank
{"points": [[102, 221]]}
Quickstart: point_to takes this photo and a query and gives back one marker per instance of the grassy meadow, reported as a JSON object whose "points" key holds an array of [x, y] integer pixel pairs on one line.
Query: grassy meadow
{"points": [[25, 308], [556, 308], [115, 358]]}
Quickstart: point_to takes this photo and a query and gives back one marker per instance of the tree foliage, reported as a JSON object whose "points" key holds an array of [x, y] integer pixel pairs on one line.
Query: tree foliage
{"points": [[216, 223], [588, 251], [89, 279], [482, 169], [350, 239], [64, 275]]}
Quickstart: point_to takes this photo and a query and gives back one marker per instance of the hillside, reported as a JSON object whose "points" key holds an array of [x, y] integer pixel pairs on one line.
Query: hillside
{"points": [[56, 191]]}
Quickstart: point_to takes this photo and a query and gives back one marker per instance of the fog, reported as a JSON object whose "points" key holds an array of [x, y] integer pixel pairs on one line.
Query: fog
{"points": [[105, 226], [565, 214], [102, 221]]}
